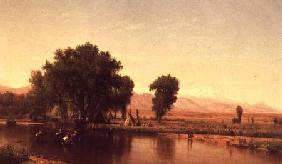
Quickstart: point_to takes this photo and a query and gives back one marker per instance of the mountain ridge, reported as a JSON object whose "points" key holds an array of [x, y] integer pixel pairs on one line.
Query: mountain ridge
{"points": [[20, 90], [143, 101], [198, 104]]}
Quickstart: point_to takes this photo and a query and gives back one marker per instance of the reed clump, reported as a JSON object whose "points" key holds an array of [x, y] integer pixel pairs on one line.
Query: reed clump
{"points": [[10, 155]]}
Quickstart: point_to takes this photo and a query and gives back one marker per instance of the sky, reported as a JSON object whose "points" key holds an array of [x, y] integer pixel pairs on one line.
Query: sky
{"points": [[223, 49]]}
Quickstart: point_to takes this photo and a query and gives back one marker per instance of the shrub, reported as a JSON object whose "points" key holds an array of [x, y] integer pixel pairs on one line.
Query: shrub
{"points": [[275, 120], [9, 155], [273, 148], [11, 122]]}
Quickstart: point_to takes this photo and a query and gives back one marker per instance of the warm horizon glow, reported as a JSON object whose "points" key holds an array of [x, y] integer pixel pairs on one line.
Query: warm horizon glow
{"points": [[228, 50]]}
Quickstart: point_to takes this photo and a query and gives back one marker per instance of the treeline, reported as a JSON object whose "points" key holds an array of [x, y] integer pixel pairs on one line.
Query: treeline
{"points": [[14, 105], [21, 105]]}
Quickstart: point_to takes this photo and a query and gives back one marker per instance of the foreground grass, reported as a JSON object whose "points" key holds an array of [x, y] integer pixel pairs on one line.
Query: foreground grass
{"points": [[10, 155]]}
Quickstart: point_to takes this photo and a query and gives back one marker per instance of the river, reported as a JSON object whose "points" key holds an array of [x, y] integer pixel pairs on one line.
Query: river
{"points": [[125, 148]]}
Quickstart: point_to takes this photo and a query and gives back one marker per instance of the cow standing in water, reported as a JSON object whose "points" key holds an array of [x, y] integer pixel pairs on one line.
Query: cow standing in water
{"points": [[59, 136], [39, 136], [71, 137]]}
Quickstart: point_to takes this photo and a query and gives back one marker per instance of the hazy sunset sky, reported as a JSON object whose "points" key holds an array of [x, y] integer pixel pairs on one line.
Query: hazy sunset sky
{"points": [[225, 49]]}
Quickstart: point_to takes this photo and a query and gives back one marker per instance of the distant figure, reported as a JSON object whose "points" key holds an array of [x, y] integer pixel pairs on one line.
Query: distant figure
{"points": [[147, 124], [121, 123], [150, 124], [242, 142], [190, 135], [231, 132], [253, 120], [129, 120], [138, 121]]}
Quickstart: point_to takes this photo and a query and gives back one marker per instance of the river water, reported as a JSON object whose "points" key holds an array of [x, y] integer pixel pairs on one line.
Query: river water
{"points": [[124, 148]]}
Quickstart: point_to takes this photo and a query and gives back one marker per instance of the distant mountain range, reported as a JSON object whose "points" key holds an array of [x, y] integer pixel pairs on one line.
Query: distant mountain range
{"points": [[198, 104], [21, 90], [192, 104]]}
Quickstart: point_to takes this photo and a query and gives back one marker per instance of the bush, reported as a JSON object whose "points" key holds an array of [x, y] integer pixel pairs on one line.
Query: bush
{"points": [[11, 122], [273, 148], [277, 121], [9, 155]]}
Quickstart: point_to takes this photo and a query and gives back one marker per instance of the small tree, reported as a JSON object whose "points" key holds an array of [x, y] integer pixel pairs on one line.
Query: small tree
{"points": [[239, 111], [275, 120], [166, 88]]}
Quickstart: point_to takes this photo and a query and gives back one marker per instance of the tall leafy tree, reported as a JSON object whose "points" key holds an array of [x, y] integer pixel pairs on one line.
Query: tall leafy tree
{"points": [[166, 88], [85, 77]]}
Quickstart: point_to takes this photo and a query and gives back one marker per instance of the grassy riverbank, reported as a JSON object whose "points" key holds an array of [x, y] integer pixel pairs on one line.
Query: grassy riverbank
{"points": [[260, 130]]}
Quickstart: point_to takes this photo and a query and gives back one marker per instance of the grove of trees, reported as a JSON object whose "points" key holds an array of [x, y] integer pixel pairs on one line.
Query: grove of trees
{"points": [[13, 105], [89, 82]]}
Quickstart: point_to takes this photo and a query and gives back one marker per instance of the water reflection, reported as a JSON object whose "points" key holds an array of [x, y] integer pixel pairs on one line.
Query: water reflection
{"points": [[190, 143], [123, 148], [97, 147], [230, 152], [168, 144]]}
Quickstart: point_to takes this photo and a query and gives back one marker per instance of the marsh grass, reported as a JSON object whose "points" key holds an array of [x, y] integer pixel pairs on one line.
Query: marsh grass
{"points": [[273, 147], [10, 155]]}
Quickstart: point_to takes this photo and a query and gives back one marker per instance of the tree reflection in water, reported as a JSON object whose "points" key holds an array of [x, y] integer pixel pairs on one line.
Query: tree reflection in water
{"points": [[190, 143], [98, 147], [123, 148], [167, 144]]}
